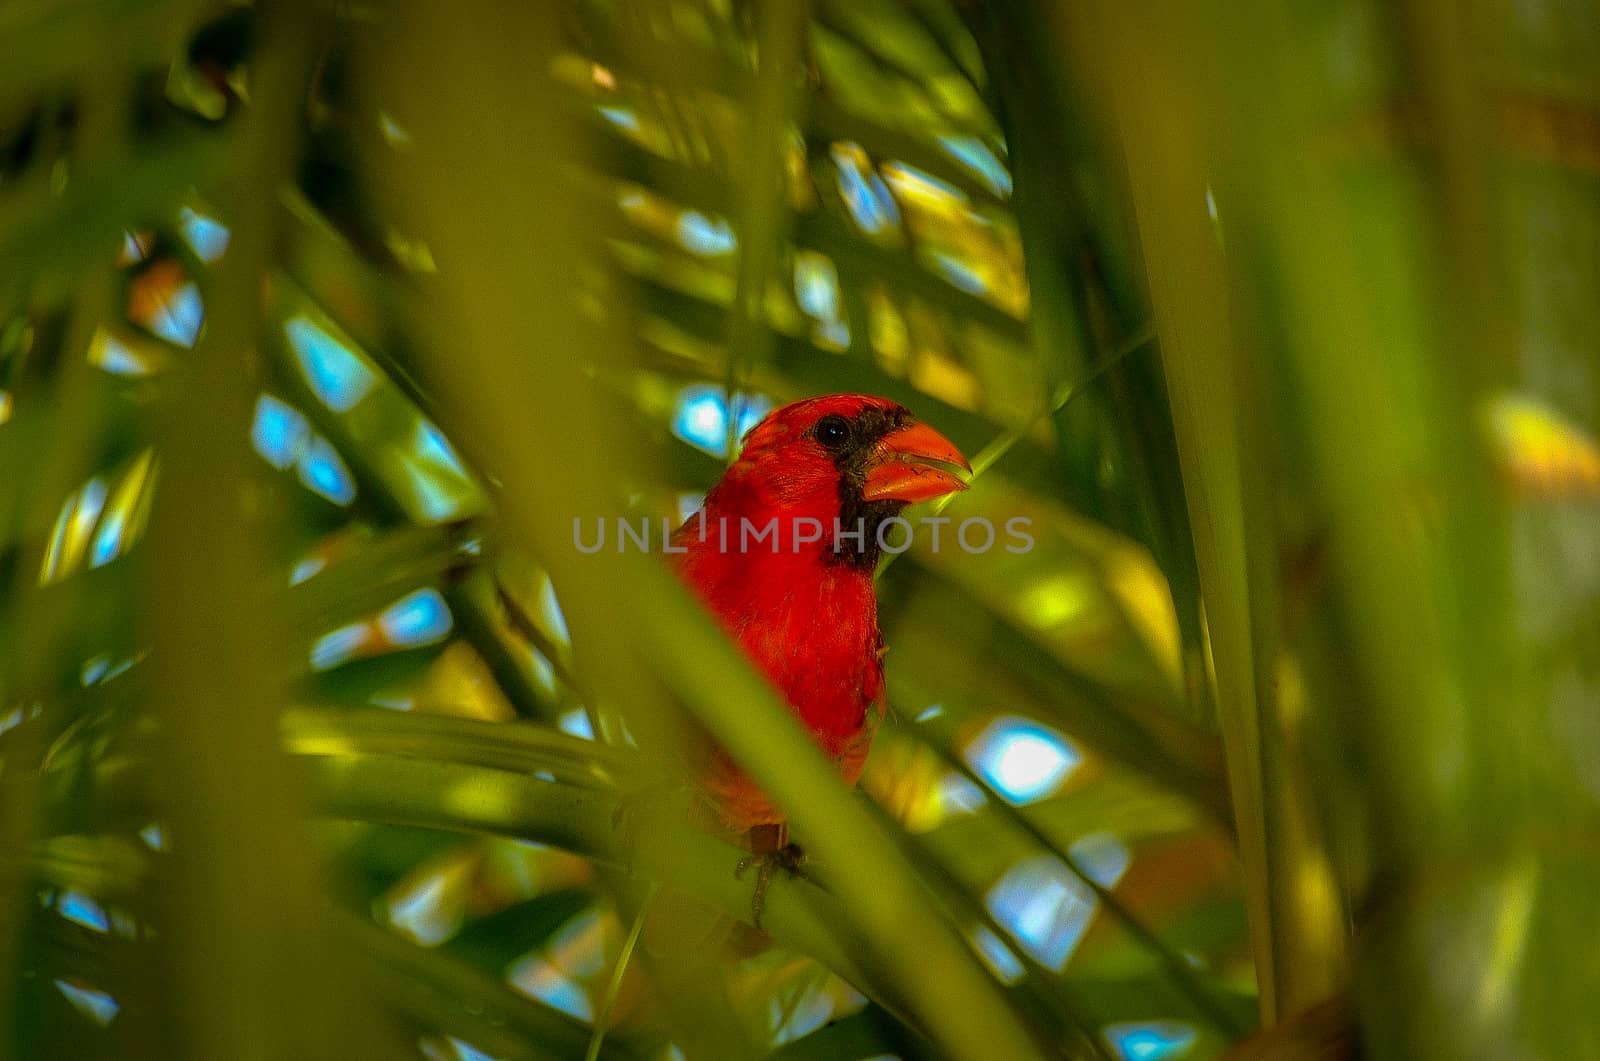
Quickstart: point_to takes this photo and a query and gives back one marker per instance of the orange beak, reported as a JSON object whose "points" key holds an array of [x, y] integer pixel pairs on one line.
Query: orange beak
{"points": [[905, 466]]}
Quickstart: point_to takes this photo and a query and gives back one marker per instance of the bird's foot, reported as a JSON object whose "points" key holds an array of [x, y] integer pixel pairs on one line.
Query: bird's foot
{"points": [[768, 856]]}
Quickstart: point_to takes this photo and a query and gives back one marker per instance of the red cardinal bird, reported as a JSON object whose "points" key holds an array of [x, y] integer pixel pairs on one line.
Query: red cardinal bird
{"points": [[783, 553]]}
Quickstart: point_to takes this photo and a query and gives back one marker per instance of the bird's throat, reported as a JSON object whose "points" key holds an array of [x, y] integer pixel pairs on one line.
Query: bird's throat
{"points": [[865, 530]]}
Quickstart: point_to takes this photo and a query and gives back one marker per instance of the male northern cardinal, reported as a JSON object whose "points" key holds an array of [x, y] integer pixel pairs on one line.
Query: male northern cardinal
{"points": [[783, 552]]}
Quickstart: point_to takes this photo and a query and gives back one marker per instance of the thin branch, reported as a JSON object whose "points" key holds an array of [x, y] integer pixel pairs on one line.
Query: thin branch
{"points": [[602, 1019]]}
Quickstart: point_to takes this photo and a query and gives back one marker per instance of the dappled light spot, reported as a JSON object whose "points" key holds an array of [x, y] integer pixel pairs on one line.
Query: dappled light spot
{"points": [[5, 406], [941, 376], [336, 373], [11, 720], [542, 673], [324, 472], [1021, 760], [284, 439], [418, 914], [689, 503], [70, 536], [556, 974], [704, 235], [976, 157], [180, 317], [1046, 908], [1146, 600], [912, 183], [831, 335], [622, 117], [411, 252], [153, 836], [536, 977], [278, 432], [111, 354], [82, 910], [340, 646], [434, 502], [166, 303], [958, 273], [1057, 599], [92, 1002], [105, 542], [135, 247], [996, 955], [435, 448], [1150, 1041], [914, 784], [440, 488], [555, 622], [458, 682], [700, 416], [419, 618], [788, 1021], [973, 251], [701, 420], [576, 722], [578, 947], [429, 906], [126, 511], [95, 669], [1541, 451], [91, 499], [816, 285], [206, 236], [453, 1049], [1102, 857], [865, 195], [752, 409], [394, 134], [306, 568], [484, 797], [101, 668], [957, 795], [468, 1053], [816, 292]]}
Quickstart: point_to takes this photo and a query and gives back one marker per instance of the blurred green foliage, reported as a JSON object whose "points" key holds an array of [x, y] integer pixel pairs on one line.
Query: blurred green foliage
{"points": [[321, 325]]}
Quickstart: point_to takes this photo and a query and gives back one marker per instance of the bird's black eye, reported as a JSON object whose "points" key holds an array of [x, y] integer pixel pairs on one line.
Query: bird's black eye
{"points": [[833, 431]]}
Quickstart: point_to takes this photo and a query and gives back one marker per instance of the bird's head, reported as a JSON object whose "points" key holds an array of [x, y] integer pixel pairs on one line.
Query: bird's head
{"points": [[844, 456]]}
